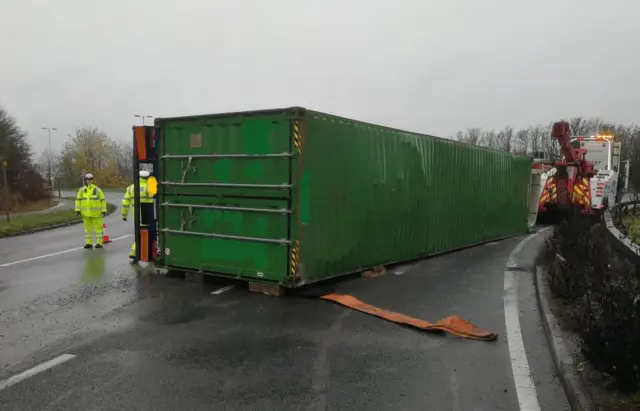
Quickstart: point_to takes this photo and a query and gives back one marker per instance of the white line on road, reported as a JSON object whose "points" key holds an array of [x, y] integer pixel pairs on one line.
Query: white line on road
{"points": [[57, 253], [35, 370], [222, 290], [525, 387]]}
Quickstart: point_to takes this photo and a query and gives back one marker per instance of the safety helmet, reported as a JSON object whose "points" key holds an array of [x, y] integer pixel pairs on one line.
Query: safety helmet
{"points": [[88, 176], [144, 174]]}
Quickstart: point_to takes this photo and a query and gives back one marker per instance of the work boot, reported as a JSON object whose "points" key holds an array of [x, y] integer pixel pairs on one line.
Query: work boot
{"points": [[98, 245], [87, 246]]}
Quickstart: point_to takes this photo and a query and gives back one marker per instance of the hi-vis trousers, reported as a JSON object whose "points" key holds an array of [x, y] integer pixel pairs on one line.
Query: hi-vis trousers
{"points": [[91, 225]]}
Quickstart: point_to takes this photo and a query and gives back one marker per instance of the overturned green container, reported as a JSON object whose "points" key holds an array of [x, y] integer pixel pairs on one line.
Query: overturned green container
{"points": [[293, 196]]}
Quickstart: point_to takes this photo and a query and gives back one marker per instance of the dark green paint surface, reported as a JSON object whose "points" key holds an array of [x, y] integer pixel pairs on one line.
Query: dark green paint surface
{"points": [[362, 195]]}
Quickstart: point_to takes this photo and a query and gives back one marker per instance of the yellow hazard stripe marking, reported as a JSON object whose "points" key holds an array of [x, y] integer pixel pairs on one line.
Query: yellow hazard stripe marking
{"points": [[297, 137], [294, 257]]}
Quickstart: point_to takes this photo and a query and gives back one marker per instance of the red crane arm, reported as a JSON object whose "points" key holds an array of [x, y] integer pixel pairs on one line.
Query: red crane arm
{"points": [[562, 132]]}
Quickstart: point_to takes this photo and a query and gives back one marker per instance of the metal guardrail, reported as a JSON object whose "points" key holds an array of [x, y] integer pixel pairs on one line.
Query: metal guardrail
{"points": [[611, 217]]}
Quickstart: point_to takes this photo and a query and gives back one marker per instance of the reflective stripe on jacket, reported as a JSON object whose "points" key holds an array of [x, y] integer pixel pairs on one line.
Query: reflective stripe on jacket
{"points": [[90, 201], [129, 198]]}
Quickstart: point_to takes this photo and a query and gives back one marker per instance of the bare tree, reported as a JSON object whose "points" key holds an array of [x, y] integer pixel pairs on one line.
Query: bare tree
{"points": [[537, 138], [592, 126], [536, 135], [577, 126], [471, 136], [504, 139], [47, 164], [474, 135], [490, 139], [93, 150], [124, 159], [522, 141]]}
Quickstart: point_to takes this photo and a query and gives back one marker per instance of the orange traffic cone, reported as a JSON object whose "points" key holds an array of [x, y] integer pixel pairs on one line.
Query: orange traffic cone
{"points": [[105, 236]]}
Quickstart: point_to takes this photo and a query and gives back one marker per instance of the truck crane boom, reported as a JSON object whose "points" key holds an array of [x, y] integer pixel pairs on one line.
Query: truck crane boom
{"points": [[562, 133]]}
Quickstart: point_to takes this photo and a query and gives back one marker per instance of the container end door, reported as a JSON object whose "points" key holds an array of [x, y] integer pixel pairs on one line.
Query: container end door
{"points": [[225, 198]]}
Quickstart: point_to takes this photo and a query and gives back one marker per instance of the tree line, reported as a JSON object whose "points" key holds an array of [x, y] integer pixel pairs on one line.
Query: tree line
{"points": [[88, 150], [536, 140]]}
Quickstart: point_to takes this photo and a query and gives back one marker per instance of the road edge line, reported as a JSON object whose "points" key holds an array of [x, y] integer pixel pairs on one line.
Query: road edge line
{"points": [[40, 257], [18, 378], [526, 391], [577, 395]]}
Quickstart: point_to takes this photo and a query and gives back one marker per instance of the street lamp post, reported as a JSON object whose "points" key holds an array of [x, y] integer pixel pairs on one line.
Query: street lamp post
{"points": [[142, 117], [6, 190], [50, 153]]}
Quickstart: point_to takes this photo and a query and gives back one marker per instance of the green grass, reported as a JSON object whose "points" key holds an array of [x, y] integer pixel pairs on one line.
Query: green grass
{"points": [[33, 206], [25, 223]]}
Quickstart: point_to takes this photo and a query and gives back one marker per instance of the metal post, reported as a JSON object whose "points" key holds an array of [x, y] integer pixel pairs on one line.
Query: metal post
{"points": [[49, 162], [50, 154], [58, 183], [136, 195], [6, 191]]}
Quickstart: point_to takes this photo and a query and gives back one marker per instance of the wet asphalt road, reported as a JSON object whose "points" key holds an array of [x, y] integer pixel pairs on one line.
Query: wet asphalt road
{"points": [[147, 342]]}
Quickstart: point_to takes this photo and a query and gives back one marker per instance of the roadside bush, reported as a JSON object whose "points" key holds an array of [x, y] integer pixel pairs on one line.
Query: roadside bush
{"points": [[600, 283], [628, 222], [24, 182]]}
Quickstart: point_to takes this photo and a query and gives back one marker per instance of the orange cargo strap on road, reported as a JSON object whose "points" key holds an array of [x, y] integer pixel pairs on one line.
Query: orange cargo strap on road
{"points": [[453, 324]]}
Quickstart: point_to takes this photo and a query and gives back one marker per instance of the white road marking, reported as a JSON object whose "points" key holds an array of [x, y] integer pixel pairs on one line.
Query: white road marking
{"points": [[121, 237], [525, 387], [57, 253], [512, 261], [35, 370], [222, 290]]}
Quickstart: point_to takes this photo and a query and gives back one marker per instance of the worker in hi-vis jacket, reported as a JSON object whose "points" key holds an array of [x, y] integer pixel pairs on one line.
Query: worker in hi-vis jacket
{"points": [[92, 207], [129, 199]]}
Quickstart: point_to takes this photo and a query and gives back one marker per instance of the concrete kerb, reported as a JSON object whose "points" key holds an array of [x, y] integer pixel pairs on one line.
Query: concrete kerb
{"points": [[577, 394], [53, 227]]}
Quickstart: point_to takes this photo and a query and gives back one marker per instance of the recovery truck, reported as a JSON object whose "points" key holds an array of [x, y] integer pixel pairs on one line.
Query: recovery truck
{"points": [[575, 184]]}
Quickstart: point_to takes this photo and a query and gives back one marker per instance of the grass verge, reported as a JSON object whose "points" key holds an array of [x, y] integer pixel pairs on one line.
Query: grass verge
{"points": [[32, 206], [33, 222]]}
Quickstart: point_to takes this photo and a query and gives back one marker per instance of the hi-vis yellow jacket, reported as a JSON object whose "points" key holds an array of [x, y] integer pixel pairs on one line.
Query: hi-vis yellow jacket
{"points": [[90, 202], [129, 197]]}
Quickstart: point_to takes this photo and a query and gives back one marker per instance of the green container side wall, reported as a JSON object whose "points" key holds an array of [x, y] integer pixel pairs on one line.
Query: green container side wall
{"points": [[371, 195], [244, 133]]}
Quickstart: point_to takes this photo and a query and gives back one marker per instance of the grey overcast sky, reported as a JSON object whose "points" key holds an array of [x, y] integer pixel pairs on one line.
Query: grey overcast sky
{"points": [[425, 65]]}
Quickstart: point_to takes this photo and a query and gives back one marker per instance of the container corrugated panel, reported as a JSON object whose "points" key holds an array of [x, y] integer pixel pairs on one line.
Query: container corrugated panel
{"points": [[342, 195]]}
